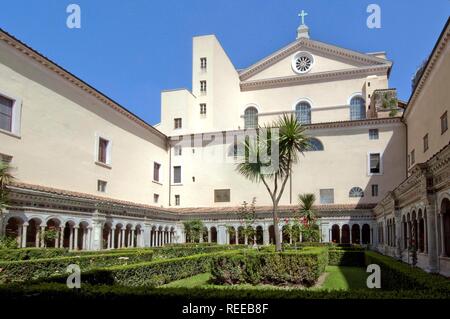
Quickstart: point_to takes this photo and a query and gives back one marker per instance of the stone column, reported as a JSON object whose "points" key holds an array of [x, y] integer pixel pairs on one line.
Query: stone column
{"points": [[442, 235], [351, 235], [113, 240], [108, 245], [37, 237], [71, 237], [360, 234], [123, 237], [209, 235], [90, 244], [132, 237], [265, 235], [221, 234], [41, 234], [245, 239], [75, 244], [432, 240], [57, 239], [24, 236], [61, 238]]}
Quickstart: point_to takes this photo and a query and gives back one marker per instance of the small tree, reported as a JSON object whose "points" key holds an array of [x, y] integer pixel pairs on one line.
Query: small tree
{"points": [[248, 216], [193, 230], [290, 142], [49, 235], [310, 229]]}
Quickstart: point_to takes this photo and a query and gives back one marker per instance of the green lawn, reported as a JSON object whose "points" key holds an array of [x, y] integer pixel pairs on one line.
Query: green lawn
{"points": [[338, 277], [346, 278]]}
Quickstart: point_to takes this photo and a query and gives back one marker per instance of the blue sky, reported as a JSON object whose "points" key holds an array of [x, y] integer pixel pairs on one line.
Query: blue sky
{"points": [[131, 50]]}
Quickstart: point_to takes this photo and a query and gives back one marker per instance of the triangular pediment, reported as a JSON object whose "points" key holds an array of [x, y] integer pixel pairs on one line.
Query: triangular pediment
{"points": [[327, 58]]}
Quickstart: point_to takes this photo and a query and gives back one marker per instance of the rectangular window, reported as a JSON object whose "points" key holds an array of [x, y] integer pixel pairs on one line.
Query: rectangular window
{"points": [[156, 168], [221, 195], [177, 123], [177, 150], [444, 123], [413, 157], [373, 134], [203, 86], [375, 190], [177, 174], [6, 113], [425, 143], [374, 163], [203, 108], [203, 64], [177, 200], [327, 196], [101, 186], [103, 145], [155, 198]]}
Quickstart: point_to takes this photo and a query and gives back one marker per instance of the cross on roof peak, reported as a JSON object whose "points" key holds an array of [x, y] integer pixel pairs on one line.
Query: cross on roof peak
{"points": [[303, 14]]}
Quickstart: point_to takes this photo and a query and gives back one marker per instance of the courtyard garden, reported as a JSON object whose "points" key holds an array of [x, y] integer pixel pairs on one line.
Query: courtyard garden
{"points": [[204, 271]]}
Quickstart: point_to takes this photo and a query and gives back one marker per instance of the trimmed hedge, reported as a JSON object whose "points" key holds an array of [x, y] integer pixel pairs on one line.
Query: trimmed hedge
{"points": [[150, 274], [396, 275], [43, 253], [343, 257], [173, 251], [23, 270], [292, 267], [58, 292]]}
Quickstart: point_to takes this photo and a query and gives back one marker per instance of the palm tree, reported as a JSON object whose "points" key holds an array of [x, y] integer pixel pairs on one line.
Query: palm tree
{"points": [[290, 142], [306, 202], [5, 179]]}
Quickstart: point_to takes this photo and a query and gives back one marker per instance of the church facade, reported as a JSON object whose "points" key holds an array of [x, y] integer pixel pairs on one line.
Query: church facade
{"points": [[102, 178]]}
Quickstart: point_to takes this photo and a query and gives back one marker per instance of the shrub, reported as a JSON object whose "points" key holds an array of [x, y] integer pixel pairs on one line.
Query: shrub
{"points": [[7, 242], [292, 267], [192, 249], [11, 271], [396, 275], [39, 253], [345, 257], [152, 273]]}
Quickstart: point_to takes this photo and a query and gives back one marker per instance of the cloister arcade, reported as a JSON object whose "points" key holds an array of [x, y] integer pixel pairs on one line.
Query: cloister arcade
{"points": [[351, 234]]}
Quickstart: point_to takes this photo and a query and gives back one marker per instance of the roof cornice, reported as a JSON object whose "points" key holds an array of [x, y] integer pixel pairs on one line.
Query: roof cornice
{"points": [[74, 80], [313, 77], [360, 58], [438, 49]]}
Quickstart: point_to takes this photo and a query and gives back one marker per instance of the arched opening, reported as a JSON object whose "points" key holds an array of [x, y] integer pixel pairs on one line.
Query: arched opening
{"points": [[213, 234], [365, 234], [51, 234], [445, 213], [303, 112], [118, 236], [271, 234], [421, 230], [205, 234], [285, 234], [405, 232], [259, 235], [232, 235], [356, 192], [314, 145], [106, 236], [13, 229], [251, 117], [335, 237], [83, 236], [33, 229], [241, 235], [345, 234], [357, 108], [355, 234]]}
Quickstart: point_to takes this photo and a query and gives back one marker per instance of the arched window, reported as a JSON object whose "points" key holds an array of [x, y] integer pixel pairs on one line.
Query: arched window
{"points": [[357, 108], [314, 145], [356, 192], [303, 112], [251, 117]]}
